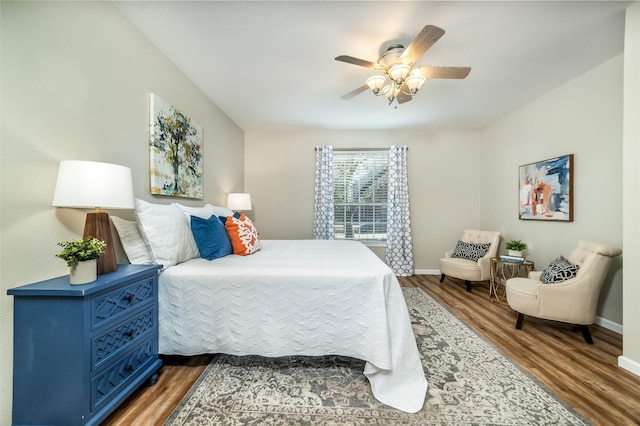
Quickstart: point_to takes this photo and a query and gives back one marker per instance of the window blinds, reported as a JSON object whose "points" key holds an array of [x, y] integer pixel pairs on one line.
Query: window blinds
{"points": [[360, 194]]}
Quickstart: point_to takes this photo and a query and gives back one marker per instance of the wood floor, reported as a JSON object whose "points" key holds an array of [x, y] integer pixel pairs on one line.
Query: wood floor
{"points": [[585, 376]]}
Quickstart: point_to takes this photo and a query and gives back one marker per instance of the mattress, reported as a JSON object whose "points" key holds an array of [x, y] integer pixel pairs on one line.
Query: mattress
{"points": [[297, 297]]}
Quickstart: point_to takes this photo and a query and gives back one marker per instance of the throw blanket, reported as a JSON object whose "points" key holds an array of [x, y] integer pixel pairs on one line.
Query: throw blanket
{"points": [[298, 297]]}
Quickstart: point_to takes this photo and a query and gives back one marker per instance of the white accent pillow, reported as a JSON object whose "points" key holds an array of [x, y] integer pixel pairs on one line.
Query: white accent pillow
{"points": [[204, 212], [132, 241], [167, 232], [220, 211]]}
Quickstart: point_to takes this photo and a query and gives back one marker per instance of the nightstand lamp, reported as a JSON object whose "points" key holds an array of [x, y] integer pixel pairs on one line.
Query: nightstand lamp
{"points": [[239, 201], [90, 184]]}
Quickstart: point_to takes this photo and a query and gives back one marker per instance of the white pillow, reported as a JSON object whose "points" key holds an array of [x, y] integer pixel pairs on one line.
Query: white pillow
{"points": [[167, 232], [132, 242], [204, 212], [220, 211]]}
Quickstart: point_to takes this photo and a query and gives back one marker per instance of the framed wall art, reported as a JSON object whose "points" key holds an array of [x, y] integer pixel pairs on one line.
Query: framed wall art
{"points": [[546, 189], [175, 152]]}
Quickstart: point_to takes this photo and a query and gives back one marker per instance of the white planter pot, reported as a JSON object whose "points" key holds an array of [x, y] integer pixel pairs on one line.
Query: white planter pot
{"points": [[84, 272], [515, 253]]}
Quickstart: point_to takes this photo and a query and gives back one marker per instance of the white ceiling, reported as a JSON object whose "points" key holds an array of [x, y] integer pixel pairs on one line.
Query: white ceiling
{"points": [[269, 65]]}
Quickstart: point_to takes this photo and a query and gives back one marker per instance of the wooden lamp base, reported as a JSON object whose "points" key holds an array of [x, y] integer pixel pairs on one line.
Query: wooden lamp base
{"points": [[97, 225]]}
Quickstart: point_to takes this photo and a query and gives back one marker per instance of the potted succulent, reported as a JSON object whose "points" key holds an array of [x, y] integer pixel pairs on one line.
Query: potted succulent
{"points": [[81, 256], [516, 247]]}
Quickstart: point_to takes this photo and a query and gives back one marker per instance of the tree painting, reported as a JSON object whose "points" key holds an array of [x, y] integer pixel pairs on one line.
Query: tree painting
{"points": [[176, 152]]}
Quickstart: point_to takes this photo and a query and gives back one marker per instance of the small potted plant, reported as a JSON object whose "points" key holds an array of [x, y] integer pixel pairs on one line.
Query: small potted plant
{"points": [[516, 247], [81, 256]]}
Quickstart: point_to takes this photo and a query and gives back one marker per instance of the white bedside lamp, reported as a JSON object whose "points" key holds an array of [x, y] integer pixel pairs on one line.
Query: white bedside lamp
{"points": [[90, 184], [239, 201]]}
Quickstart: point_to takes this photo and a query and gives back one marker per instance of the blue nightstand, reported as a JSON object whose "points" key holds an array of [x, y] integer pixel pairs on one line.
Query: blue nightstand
{"points": [[80, 350]]}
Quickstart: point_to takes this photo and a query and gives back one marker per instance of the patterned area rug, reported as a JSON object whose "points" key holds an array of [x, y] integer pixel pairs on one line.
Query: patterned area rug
{"points": [[470, 383]]}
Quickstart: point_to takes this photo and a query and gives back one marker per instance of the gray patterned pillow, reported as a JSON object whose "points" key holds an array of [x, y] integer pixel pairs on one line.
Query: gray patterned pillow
{"points": [[470, 251], [559, 270]]}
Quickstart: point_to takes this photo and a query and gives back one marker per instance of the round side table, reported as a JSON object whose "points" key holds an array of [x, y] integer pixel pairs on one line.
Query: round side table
{"points": [[501, 270]]}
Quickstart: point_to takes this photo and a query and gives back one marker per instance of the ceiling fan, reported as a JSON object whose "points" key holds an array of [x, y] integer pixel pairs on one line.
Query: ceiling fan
{"points": [[400, 79]]}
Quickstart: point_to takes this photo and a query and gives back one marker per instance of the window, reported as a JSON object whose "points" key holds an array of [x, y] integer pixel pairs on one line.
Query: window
{"points": [[360, 194]]}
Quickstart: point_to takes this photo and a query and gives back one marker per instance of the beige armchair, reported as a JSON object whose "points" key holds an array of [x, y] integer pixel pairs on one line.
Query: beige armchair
{"points": [[467, 269], [574, 300]]}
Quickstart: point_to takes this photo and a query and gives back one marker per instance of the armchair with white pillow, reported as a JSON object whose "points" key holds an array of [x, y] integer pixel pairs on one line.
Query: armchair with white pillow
{"points": [[567, 291], [470, 260]]}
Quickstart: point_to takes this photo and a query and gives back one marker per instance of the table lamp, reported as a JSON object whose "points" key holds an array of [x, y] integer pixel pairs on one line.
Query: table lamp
{"points": [[90, 184], [239, 201]]}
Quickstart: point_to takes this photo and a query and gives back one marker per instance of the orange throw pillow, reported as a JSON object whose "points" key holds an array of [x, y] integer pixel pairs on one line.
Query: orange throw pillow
{"points": [[243, 235]]}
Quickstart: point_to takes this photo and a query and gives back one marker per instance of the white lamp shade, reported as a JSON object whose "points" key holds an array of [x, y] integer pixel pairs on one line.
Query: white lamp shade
{"points": [[239, 201], [390, 91], [90, 184], [415, 82], [399, 72], [375, 83]]}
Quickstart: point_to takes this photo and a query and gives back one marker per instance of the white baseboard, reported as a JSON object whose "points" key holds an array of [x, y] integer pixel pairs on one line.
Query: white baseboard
{"points": [[426, 271], [629, 364], [609, 325]]}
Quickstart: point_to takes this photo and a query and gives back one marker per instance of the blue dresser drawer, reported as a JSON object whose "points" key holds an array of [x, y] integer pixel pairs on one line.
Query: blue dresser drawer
{"points": [[104, 347], [113, 378], [121, 301]]}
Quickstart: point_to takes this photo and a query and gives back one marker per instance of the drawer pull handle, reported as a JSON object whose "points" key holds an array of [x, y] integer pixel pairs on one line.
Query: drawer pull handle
{"points": [[129, 333], [128, 368], [128, 297]]}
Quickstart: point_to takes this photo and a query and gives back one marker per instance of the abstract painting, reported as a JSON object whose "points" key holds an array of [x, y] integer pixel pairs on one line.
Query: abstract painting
{"points": [[175, 150], [546, 189]]}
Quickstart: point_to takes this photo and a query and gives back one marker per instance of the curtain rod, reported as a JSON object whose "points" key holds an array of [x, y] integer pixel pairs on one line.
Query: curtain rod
{"points": [[360, 149]]}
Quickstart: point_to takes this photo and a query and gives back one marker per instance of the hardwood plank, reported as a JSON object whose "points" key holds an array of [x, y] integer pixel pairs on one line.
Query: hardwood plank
{"points": [[584, 376], [152, 405]]}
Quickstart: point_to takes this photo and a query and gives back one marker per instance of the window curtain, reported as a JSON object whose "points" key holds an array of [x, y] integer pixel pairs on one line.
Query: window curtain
{"points": [[399, 251], [323, 228]]}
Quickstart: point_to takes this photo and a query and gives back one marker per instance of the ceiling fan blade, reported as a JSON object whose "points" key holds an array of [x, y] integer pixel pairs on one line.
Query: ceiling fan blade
{"points": [[423, 41], [356, 61], [354, 92], [443, 72], [402, 96]]}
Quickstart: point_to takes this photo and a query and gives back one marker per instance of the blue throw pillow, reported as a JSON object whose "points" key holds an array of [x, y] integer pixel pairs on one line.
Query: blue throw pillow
{"points": [[211, 237], [223, 219]]}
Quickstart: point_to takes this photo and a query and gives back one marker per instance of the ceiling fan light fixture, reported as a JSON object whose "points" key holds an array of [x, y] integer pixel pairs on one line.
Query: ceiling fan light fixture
{"points": [[390, 91], [415, 83], [399, 72], [401, 79], [376, 83]]}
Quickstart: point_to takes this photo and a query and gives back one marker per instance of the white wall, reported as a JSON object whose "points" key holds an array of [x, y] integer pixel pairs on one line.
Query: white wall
{"points": [[443, 171], [583, 117], [75, 81]]}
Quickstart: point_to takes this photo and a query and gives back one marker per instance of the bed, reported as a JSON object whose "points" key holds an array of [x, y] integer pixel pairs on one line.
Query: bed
{"points": [[296, 297]]}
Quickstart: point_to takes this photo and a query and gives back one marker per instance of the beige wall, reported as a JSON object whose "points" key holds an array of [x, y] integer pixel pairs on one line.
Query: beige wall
{"points": [[582, 117], [630, 358], [75, 83], [443, 171]]}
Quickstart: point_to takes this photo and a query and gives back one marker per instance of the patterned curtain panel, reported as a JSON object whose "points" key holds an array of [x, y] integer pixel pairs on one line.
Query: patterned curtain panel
{"points": [[323, 228], [399, 251]]}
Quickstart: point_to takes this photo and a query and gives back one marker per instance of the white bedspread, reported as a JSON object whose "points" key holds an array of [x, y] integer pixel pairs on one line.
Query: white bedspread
{"points": [[298, 297]]}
